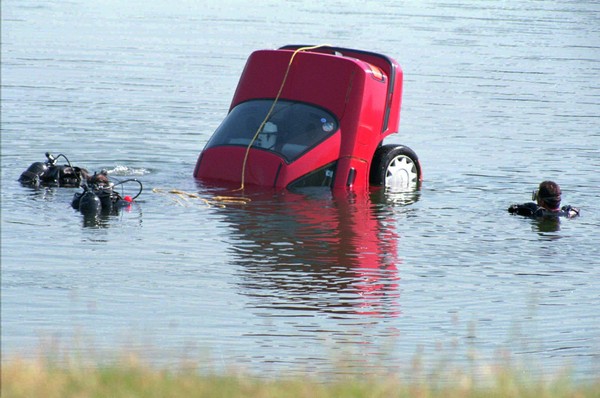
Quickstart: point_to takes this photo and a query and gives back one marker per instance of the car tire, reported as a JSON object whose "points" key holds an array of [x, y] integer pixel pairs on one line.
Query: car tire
{"points": [[395, 167]]}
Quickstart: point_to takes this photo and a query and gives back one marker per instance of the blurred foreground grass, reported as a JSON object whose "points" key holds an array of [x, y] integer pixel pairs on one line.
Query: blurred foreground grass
{"points": [[128, 377]]}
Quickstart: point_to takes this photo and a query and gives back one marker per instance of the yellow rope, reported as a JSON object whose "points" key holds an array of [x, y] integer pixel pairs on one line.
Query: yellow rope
{"points": [[241, 188], [182, 198]]}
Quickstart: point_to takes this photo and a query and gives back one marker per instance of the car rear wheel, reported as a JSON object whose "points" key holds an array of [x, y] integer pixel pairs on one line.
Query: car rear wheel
{"points": [[396, 167]]}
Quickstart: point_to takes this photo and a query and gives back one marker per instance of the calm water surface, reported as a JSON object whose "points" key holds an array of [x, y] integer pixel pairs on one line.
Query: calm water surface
{"points": [[498, 97]]}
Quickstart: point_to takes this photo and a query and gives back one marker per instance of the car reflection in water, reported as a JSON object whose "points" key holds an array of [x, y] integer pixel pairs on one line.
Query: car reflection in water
{"points": [[314, 250]]}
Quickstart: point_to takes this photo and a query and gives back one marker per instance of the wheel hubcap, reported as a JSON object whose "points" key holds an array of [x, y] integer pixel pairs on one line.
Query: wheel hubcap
{"points": [[401, 174]]}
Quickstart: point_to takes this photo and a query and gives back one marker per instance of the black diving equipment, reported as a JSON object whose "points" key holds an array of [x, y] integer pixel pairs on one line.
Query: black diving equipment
{"points": [[51, 174], [99, 195]]}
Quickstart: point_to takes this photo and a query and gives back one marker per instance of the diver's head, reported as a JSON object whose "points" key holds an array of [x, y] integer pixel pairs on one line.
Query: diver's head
{"points": [[548, 195], [100, 179]]}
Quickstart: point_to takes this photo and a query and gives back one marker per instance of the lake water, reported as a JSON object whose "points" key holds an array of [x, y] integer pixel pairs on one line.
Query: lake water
{"points": [[498, 96]]}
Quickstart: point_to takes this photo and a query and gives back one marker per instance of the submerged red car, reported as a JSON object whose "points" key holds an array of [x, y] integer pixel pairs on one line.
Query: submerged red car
{"points": [[312, 116]]}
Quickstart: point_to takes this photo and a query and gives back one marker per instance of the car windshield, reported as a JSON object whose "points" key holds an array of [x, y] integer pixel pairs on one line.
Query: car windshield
{"points": [[291, 130]]}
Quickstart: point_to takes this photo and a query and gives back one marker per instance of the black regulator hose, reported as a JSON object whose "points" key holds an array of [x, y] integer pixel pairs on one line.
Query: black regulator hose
{"points": [[131, 180], [52, 160]]}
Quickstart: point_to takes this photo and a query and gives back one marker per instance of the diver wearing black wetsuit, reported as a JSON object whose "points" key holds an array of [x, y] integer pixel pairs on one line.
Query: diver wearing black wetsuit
{"points": [[548, 197]]}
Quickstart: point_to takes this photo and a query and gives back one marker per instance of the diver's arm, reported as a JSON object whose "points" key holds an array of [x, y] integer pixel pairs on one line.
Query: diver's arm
{"points": [[525, 209]]}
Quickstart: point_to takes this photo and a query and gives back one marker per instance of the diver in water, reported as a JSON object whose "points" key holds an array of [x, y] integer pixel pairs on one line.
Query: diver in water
{"points": [[547, 197], [51, 174]]}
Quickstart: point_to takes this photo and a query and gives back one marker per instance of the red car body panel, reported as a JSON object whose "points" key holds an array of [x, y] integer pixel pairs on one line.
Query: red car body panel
{"points": [[264, 168], [362, 90]]}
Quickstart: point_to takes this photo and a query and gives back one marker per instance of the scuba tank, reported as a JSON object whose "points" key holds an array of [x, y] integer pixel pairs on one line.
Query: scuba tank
{"points": [[87, 202], [32, 175]]}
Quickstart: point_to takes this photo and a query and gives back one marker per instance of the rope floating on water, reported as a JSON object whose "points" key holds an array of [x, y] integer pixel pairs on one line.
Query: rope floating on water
{"points": [[184, 198]]}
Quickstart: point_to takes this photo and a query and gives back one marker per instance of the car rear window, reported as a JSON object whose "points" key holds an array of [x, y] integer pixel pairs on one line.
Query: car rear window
{"points": [[291, 130]]}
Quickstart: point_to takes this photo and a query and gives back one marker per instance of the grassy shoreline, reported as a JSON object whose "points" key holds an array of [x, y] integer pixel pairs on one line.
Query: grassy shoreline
{"points": [[128, 377]]}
